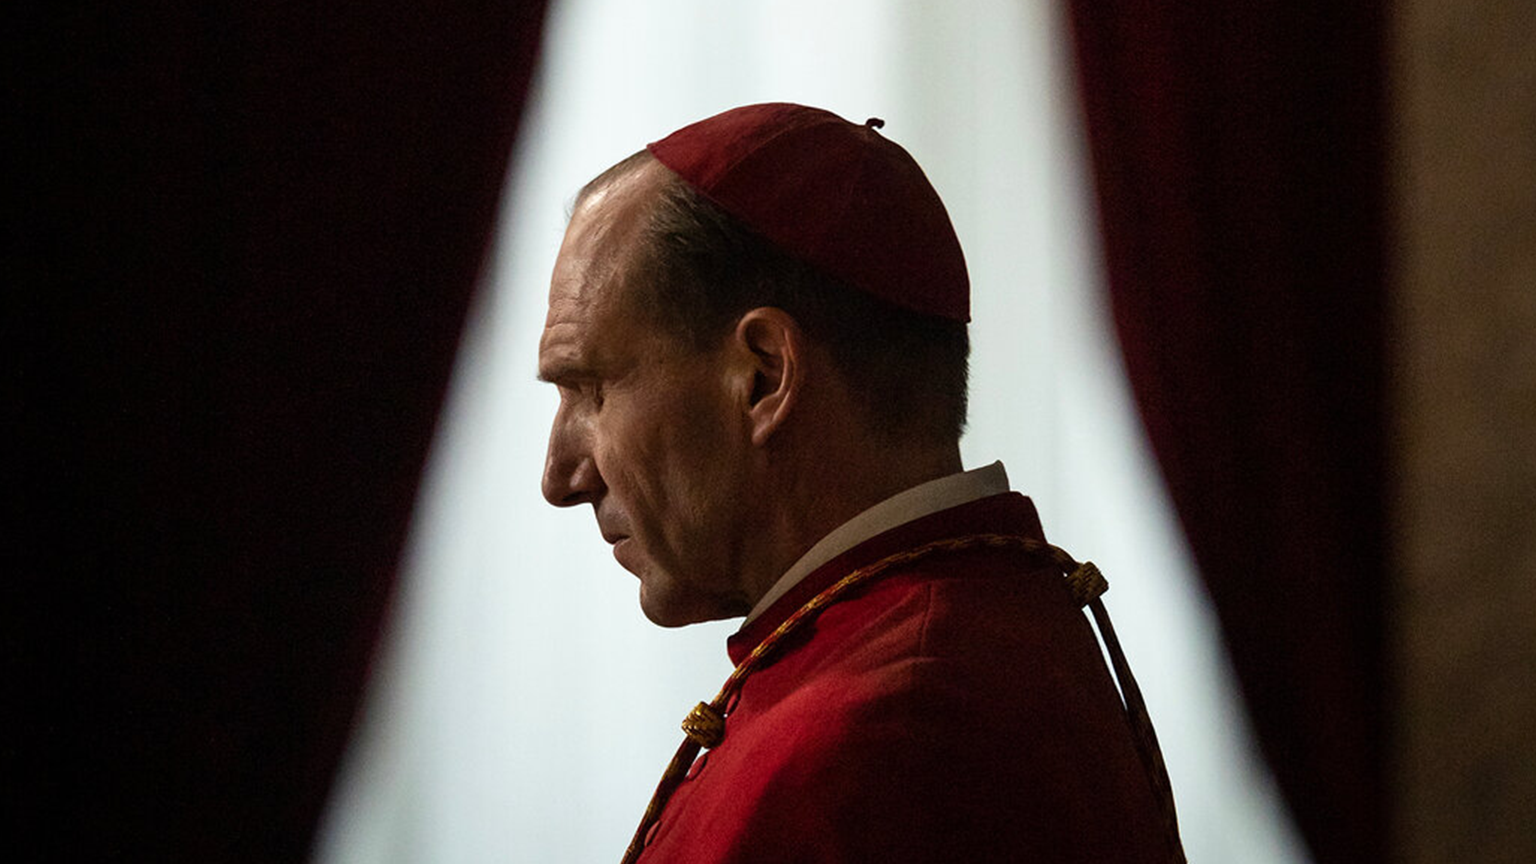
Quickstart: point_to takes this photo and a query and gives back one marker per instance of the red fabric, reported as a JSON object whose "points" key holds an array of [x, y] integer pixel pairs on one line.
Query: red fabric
{"points": [[251, 235], [1239, 161], [956, 709], [838, 195]]}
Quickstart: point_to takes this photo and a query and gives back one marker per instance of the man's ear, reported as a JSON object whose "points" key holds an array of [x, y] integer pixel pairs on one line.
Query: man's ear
{"points": [[775, 347]]}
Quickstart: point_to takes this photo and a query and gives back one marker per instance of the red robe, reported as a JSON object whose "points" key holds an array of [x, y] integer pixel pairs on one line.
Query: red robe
{"points": [[955, 709]]}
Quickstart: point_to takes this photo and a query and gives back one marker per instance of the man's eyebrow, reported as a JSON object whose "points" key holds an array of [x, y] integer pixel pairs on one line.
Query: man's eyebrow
{"points": [[556, 373]]}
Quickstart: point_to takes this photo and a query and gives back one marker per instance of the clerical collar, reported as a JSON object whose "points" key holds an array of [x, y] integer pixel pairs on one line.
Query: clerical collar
{"points": [[899, 509]]}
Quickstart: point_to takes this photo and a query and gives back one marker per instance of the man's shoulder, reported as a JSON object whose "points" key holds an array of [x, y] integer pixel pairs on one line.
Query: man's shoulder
{"points": [[955, 707], [972, 638]]}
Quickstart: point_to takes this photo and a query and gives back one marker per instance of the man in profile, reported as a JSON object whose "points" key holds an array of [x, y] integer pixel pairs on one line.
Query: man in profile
{"points": [[757, 326]]}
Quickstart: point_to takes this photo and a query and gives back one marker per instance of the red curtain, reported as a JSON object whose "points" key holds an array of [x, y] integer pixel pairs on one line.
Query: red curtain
{"points": [[1238, 152], [246, 245]]}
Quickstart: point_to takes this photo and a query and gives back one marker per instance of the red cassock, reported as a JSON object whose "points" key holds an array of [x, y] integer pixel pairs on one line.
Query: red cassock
{"points": [[955, 709]]}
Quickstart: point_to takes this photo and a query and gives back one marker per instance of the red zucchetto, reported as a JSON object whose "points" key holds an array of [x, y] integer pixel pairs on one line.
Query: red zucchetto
{"points": [[838, 195]]}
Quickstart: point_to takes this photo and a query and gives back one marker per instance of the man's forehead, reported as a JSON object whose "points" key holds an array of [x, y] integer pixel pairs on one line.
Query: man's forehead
{"points": [[615, 211], [601, 240], [583, 319], [593, 270], [588, 279]]}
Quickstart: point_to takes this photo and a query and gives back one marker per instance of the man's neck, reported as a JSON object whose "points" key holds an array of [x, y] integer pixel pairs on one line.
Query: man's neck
{"points": [[921, 500], [825, 493]]}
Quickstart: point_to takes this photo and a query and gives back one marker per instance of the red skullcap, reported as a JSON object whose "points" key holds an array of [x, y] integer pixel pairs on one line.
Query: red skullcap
{"points": [[837, 195]]}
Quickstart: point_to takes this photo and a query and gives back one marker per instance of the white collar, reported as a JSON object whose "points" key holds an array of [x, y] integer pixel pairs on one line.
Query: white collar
{"points": [[899, 509]]}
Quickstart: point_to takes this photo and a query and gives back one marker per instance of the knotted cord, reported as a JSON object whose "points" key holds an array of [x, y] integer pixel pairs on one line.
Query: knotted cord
{"points": [[705, 724]]}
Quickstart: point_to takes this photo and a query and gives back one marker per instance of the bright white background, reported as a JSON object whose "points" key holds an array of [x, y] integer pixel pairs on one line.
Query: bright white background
{"points": [[524, 708]]}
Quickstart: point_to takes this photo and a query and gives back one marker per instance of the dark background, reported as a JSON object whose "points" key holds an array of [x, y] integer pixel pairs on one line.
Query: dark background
{"points": [[240, 246]]}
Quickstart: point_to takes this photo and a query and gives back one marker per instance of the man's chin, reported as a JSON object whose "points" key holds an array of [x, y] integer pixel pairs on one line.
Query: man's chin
{"points": [[664, 609], [667, 621]]}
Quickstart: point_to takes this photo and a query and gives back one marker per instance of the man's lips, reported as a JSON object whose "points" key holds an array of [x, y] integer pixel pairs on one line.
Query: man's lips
{"points": [[621, 552], [618, 542]]}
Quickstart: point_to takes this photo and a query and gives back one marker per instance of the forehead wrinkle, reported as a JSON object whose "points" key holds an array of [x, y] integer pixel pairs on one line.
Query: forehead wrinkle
{"points": [[577, 342]]}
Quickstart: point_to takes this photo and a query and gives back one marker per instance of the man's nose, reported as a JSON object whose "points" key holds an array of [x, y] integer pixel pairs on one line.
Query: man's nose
{"points": [[570, 474]]}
